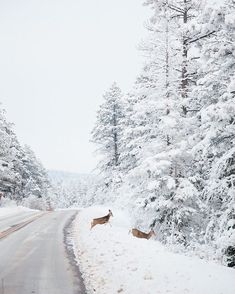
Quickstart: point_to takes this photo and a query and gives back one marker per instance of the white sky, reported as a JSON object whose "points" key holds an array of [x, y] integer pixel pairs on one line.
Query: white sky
{"points": [[57, 57]]}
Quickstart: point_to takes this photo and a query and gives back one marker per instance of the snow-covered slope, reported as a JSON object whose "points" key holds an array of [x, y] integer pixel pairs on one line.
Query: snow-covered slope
{"points": [[13, 210], [113, 261]]}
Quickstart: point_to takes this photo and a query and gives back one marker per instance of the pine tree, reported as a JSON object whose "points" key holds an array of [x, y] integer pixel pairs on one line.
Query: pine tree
{"points": [[107, 132], [21, 175], [10, 151], [214, 151], [156, 143], [37, 182]]}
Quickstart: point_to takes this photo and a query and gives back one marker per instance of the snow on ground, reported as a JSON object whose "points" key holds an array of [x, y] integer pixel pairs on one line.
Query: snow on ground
{"points": [[12, 210], [113, 261]]}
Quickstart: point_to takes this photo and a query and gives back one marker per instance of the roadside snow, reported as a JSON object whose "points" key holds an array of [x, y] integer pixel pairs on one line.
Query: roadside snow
{"points": [[112, 261], [8, 211]]}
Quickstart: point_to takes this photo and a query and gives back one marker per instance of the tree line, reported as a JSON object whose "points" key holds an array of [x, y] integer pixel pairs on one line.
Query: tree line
{"points": [[23, 179]]}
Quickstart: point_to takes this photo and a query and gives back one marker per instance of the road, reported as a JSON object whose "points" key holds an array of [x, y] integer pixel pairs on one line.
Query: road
{"points": [[8, 221], [36, 259]]}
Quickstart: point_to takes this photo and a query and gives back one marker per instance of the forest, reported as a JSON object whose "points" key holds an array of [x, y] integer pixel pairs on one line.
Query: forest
{"points": [[167, 147]]}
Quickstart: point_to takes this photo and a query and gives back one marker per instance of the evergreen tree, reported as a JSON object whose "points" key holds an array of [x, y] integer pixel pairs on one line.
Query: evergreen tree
{"points": [[10, 154], [21, 175], [107, 132], [156, 138], [214, 141]]}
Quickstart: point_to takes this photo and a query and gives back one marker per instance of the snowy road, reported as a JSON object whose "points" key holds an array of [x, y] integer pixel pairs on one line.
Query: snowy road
{"points": [[35, 259]]}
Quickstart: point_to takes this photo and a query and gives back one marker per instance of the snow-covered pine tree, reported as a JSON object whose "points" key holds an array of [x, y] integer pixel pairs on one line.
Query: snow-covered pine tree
{"points": [[139, 120], [21, 175], [107, 132], [150, 106], [179, 15], [36, 181], [157, 139], [11, 181], [214, 142]]}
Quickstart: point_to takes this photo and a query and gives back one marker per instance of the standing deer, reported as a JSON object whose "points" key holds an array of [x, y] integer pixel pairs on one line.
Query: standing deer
{"points": [[101, 220], [137, 233]]}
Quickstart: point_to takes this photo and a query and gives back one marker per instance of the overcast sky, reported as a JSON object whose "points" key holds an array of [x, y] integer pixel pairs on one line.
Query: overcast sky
{"points": [[57, 57]]}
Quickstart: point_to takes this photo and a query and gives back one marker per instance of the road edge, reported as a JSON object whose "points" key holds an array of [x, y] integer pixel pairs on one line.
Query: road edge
{"points": [[68, 243]]}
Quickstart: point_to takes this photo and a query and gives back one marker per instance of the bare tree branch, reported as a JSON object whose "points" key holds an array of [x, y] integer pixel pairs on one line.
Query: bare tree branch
{"points": [[174, 7], [200, 37]]}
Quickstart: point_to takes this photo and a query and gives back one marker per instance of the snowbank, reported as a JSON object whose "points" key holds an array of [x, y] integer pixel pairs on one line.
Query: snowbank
{"points": [[8, 211], [112, 261]]}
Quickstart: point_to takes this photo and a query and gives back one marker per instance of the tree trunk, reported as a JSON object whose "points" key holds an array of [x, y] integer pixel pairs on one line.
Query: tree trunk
{"points": [[167, 69], [115, 138], [184, 76]]}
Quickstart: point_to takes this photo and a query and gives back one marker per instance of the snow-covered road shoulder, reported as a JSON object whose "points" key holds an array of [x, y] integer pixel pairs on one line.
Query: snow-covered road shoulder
{"points": [[112, 261], [14, 210]]}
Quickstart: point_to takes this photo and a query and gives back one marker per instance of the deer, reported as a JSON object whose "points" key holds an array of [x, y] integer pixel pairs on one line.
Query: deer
{"points": [[137, 233], [101, 220]]}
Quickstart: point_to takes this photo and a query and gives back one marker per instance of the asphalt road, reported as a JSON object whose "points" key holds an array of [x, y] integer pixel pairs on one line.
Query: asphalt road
{"points": [[35, 259]]}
